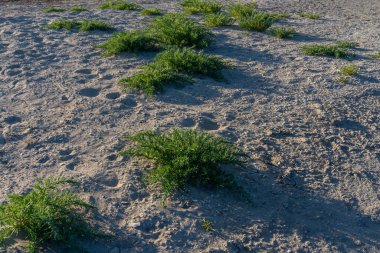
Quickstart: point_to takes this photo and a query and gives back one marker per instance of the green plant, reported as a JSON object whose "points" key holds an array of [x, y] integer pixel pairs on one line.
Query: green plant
{"points": [[119, 5], [201, 6], [325, 50], [240, 10], [90, 25], [53, 9], [260, 21], [152, 78], [46, 214], [63, 24], [309, 15], [282, 32], [191, 62], [78, 9], [376, 56], [176, 30], [131, 41], [220, 19], [347, 44], [151, 11], [206, 225], [186, 157], [349, 70]]}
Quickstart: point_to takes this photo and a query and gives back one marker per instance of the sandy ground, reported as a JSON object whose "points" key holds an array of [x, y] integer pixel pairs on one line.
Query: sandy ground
{"points": [[315, 143]]}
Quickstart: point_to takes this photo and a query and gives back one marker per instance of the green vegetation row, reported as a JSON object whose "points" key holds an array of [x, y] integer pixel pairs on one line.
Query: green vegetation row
{"points": [[83, 26]]}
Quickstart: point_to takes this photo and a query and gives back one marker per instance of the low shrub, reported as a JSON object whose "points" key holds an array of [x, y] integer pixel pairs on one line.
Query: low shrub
{"points": [[63, 24], [119, 5], [240, 10], [53, 9], [78, 9], [151, 12], [131, 41], [283, 32], [220, 19], [191, 62], [48, 213], [260, 21], [152, 78], [325, 50], [349, 70], [173, 29], [201, 6], [83, 26], [186, 157], [309, 15]]}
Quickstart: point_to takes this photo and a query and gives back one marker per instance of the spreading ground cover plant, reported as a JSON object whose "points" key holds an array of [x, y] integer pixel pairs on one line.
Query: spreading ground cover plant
{"points": [[219, 19], [309, 15], [201, 6], [174, 66], [83, 26], [349, 70], [283, 32], [78, 9], [151, 11], [119, 5], [191, 62], [53, 9], [325, 50], [239, 10], [186, 157], [259, 21], [347, 44], [48, 213], [131, 41], [174, 29]]}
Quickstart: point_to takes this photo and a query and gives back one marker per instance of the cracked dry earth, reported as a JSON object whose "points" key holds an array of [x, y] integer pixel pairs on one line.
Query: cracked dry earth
{"points": [[314, 142]]}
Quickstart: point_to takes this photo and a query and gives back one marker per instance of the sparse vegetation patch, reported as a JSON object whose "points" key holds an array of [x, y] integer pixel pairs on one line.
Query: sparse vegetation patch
{"points": [[347, 44], [309, 15], [48, 213], [173, 29], [283, 32], [349, 70], [325, 50], [186, 157], [63, 24], [53, 9], [131, 41], [259, 21], [376, 56], [151, 12], [240, 10], [201, 6], [220, 19], [119, 5], [83, 26], [78, 9]]}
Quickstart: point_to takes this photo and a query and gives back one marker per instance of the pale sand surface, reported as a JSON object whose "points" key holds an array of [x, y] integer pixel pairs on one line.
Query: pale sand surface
{"points": [[315, 143]]}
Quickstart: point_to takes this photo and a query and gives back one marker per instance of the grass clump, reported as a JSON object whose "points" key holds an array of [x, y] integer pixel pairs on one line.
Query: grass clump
{"points": [[152, 78], [174, 66], [349, 70], [283, 32], [120, 5], [53, 9], [325, 50], [191, 62], [220, 19], [173, 29], [376, 56], [260, 21], [240, 10], [78, 9], [131, 41], [46, 214], [346, 44], [151, 12], [206, 225], [91, 25], [63, 24], [309, 15], [186, 157], [201, 6]]}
